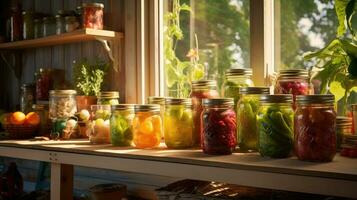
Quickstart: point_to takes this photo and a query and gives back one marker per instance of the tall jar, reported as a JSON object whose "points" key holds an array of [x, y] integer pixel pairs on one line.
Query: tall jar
{"points": [[121, 130], [200, 90], [315, 128], [108, 98], [62, 104], [27, 97], [178, 123], [99, 126], [60, 24], [247, 109], [235, 79], [44, 84], [28, 25], [16, 24], [343, 128], [147, 126], [38, 28], [275, 124], [49, 26], [93, 15], [218, 126]]}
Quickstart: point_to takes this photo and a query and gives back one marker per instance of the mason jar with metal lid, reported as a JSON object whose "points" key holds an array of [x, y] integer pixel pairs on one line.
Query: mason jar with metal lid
{"points": [[315, 128], [147, 126], [158, 100], [62, 104], [247, 110], [178, 123], [200, 90], [343, 128], [108, 98], [275, 125], [93, 15], [99, 125], [218, 126], [121, 125], [28, 25]]}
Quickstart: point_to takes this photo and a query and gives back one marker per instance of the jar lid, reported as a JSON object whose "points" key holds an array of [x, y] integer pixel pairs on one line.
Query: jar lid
{"points": [[315, 99], [178, 101], [62, 92], [108, 94], [147, 107], [123, 107], [218, 102], [40, 106], [343, 121], [254, 90], [99, 5], [156, 100], [276, 98], [289, 73], [204, 83], [239, 72]]}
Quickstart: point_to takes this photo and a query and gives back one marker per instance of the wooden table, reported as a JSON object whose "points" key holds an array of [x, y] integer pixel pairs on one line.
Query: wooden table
{"points": [[337, 178]]}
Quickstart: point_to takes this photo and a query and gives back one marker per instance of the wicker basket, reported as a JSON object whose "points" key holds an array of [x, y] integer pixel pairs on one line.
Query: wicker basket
{"points": [[24, 131]]}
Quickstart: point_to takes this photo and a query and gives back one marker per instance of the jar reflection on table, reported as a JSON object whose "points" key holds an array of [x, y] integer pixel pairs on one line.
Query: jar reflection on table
{"points": [[108, 98], [99, 126], [121, 129], [93, 15]]}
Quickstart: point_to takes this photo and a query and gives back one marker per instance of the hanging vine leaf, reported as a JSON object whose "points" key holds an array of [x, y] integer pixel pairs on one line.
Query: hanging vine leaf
{"points": [[350, 11], [340, 7]]}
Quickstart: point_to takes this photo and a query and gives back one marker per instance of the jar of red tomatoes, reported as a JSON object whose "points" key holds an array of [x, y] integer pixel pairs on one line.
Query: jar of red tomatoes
{"points": [[93, 15], [200, 90], [315, 128], [218, 126]]}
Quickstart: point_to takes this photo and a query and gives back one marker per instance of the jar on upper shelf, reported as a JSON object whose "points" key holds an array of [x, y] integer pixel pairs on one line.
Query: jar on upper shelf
{"points": [[60, 24], [16, 24], [108, 98], [28, 25], [38, 26], [93, 15], [49, 26], [71, 23]]}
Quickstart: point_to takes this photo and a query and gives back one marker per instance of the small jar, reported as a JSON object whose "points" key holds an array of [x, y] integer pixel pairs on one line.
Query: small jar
{"points": [[62, 104], [28, 25], [49, 26], [349, 146], [147, 126], [247, 109], [275, 124], [315, 128], [200, 90], [93, 15], [45, 122], [343, 128], [121, 130], [219, 126], [99, 127], [235, 79], [108, 98], [27, 97], [44, 84], [16, 24], [60, 24], [178, 123], [38, 25], [71, 23]]}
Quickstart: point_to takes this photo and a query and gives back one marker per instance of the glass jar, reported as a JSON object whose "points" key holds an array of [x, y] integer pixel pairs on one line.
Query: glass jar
{"points": [[275, 121], [247, 110], [79, 15], [218, 126], [60, 24], [38, 25], [49, 26], [28, 25], [27, 97], [71, 23], [121, 130], [16, 24], [62, 104], [315, 128], [200, 90], [108, 98], [343, 128], [93, 15], [178, 123], [147, 126], [99, 126], [236, 78], [44, 84], [158, 100], [45, 122], [349, 146]]}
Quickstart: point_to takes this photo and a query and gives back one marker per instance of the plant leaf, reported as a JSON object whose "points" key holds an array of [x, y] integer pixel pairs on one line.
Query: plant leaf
{"points": [[326, 50], [340, 8], [350, 11], [337, 90]]}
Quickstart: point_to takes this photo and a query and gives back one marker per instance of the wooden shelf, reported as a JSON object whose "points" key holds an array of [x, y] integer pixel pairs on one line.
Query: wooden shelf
{"points": [[65, 38]]}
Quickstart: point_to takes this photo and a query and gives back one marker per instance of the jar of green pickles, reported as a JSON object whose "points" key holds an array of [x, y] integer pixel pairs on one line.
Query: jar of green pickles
{"points": [[343, 127], [178, 123], [275, 126], [121, 125], [108, 98], [247, 110]]}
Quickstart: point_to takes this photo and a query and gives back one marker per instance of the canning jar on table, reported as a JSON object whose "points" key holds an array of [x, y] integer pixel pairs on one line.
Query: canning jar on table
{"points": [[99, 127], [108, 98], [121, 130], [343, 128]]}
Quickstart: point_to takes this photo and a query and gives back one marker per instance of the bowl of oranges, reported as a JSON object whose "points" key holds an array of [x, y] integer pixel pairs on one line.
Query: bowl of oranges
{"points": [[21, 126]]}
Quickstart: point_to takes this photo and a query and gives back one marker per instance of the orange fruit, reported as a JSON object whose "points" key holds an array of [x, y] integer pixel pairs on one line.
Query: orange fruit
{"points": [[32, 118], [17, 118]]}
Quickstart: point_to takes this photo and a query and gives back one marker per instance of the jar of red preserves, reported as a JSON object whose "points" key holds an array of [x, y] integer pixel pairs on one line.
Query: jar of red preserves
{"points": [[44, 84], [218, 126], [315, 128], [93, 15], [200, 90]]}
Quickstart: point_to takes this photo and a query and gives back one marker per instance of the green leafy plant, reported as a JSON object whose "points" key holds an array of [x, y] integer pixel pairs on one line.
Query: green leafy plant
{"points": [[179, 74], [88, 77], [337, 62]]}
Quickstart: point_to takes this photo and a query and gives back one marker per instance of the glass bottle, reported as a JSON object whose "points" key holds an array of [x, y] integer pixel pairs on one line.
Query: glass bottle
{"points": [[200, 90], [121, 130], [28, 25], [38, 28], [99, 126], [62, 104], [93, 15], [178, 123], [275, 124], [218, 126], [247, 109], [27, 97], [108, 98], [16, 24], [315, 128], [343, 128]]}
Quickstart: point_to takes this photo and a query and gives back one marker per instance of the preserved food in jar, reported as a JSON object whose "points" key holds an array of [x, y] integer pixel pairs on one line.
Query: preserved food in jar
{"points": [[71, 23], [200, 90], [42, 111], [28, 25], [178, 123], [121, 130], [16, 24], [108, 98], [27, 97], [275, 120], [315, 128], [160, 101], [99, 127], [62, 104], [93, 15], [343, 128], [147, 126], [247, 110], [219, 126], [44, 84]]}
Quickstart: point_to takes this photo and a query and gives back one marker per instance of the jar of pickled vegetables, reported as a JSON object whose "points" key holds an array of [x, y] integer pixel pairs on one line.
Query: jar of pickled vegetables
{"points": [[121, 125], [247, 110], [147, 126], [99, 126], [236, 78], [219, 126], [315, 128], [157, 100], [178, 123], [200, 90], [343, 128], [108, 98], [275, 125], [93, 15], [62, 104]]}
